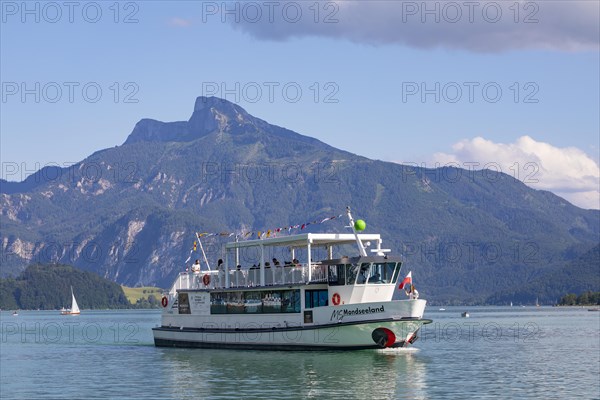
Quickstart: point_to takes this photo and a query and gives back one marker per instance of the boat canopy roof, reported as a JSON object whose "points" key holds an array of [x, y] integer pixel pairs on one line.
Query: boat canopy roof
{"points": [[361, 259], [304, 239]]}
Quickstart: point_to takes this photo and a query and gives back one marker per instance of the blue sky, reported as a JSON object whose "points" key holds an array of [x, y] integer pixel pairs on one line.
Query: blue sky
{"points": [[361, 68]]}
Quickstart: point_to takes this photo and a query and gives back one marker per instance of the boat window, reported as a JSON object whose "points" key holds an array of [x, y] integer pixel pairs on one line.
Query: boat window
{"points": [[363, 273], [290, 301], [389, 272], [252, 302], [382, 272], [255, 302], [336, 275], [351, 273], [396, 272], [316, 298]]}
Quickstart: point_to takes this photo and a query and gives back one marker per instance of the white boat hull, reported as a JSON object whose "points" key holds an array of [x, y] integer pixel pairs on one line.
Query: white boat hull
{"points": [[346, 326], [340, 336]]}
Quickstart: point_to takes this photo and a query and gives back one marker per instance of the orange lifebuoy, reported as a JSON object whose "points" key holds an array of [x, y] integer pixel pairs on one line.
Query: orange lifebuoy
{"points": [[206, 279], [336, 299], [164, 301]]}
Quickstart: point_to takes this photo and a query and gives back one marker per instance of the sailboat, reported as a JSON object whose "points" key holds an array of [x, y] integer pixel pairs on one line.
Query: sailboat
{"points": [[74, 310]]}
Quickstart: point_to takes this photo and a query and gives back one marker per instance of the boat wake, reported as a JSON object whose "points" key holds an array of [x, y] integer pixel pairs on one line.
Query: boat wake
{"points": [[398, 350]]}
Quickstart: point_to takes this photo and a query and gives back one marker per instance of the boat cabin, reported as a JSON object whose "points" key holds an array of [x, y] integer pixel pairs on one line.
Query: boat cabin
{"points": [[298, 284]]}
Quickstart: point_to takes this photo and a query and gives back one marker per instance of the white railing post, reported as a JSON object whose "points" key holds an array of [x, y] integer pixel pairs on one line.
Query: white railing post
{"points": [[309, 261], [262, 265], [227, 269]]}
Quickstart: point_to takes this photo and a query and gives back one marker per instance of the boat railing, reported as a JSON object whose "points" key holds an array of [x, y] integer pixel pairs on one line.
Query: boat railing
{"points": [[295, 274]]}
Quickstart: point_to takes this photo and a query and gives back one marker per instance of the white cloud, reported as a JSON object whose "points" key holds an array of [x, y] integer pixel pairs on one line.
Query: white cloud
{"points": [[567, 172], [482, 26]]}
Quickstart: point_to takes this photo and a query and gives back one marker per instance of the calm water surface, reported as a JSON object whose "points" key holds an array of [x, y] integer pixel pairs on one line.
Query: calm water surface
{"points": [[548, 353]]}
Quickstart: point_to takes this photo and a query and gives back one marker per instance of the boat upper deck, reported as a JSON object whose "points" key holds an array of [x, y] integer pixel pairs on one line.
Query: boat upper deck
{"points": [[308, 239], [304, 271]]}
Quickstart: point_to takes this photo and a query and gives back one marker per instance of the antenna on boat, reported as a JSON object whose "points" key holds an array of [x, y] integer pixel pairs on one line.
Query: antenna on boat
{"points": [[361, 248], [203, 253]]}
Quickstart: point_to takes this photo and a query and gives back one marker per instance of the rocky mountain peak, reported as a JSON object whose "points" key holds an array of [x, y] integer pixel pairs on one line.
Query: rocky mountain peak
{"points": [[215, 114], [220, 106], [211, 114]]}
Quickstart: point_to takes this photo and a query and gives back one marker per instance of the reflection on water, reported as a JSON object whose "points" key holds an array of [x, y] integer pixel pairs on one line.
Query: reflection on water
{"points": [[363, 374]]}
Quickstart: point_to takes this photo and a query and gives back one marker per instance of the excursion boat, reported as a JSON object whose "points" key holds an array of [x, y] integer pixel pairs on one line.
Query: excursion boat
{"points": [[344, 303]]}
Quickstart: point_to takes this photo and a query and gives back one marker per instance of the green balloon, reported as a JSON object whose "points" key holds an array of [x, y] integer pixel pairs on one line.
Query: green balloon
{"points": [[360, 225]]}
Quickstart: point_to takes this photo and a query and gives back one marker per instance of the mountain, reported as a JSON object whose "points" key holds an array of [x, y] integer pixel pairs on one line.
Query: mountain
{"points": [[32, 181], [128, 213], [48, 287], [577, 276]]}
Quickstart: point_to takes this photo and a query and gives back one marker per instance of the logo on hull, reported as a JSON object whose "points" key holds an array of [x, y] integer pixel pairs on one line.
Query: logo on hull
{"points": [[339, 314]]}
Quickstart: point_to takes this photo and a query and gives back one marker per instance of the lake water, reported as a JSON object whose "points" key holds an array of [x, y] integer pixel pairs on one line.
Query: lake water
{"points": [[549, 353]]}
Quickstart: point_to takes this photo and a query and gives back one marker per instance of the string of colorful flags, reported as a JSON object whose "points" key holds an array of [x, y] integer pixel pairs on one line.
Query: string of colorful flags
{"points": [[260, 234], [269, 232]]}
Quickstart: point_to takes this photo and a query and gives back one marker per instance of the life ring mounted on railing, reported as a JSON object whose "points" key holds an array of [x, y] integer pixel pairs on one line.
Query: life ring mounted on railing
{"points": [[164, 301], [206, 279], [336, 299]]}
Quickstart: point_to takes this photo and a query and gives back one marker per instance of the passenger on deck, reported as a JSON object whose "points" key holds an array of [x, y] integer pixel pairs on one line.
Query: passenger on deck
{"points": [[295, 262], [267, 265], [196, 267], [239, 267], [276, 262], [219, 264], [253, 266], [361, 277]]}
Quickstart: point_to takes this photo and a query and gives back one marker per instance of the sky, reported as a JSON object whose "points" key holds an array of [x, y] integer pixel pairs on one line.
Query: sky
{"points": [[508, 85]]}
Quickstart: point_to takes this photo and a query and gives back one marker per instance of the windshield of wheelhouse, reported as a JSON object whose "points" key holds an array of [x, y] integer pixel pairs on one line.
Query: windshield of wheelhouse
{"points": [[342, 274], [365, 273], [379, 273]]}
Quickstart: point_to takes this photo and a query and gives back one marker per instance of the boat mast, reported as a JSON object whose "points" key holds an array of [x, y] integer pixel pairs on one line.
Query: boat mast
{"points": [[361, 248]]}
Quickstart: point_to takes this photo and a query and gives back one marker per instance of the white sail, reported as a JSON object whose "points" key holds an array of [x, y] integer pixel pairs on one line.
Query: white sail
{"points": [[74, 306]]}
